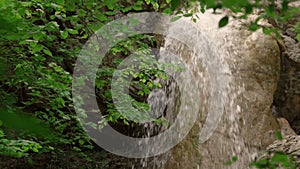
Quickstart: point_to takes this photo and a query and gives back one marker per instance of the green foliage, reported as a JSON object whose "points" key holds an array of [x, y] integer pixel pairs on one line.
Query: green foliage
{"points": [[143, 69], [242, 8], [278, 159], [18, 148], [34, 79], [39, 43]]}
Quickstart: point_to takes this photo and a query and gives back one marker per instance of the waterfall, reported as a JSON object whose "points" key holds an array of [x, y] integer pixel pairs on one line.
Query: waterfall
{"points": [[236, 72], [217, 105]]}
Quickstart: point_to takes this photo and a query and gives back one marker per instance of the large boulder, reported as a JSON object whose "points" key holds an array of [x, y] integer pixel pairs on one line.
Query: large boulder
{"points": [[249, 64]]}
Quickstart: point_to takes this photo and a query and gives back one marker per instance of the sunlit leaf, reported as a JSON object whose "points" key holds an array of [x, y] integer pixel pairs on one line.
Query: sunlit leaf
{"points": [[175, 18], [47, 52], [64, 34]]}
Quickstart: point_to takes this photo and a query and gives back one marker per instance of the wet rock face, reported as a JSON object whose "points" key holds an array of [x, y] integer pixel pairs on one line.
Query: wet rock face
{"points": [[287, 98], [246, 124]]}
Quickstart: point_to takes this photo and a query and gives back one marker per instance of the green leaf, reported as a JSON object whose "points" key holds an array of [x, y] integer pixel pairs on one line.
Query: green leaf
{"points": [[36, 48], [64, 34], [126, 9], [175, 18], [234, 158], [47, 52], [101, 17], [35, 150], [167, 11], [137, 8], [202, 8], [32, 43], [39, 58], [81, 13], [111, 4], [25, 147], [73, 31], [38, 36], [23, 42], [298, 37], [125, 122], [110, 13], [188, 15], [81, 142], [223, 22], [155, 6], [279, 135], [1, 133]]}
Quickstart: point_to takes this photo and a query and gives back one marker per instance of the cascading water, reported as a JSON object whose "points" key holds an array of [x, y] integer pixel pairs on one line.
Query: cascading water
{"points": [[221, 61], [216, 105], [242, 70]]}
